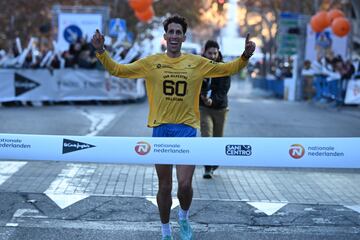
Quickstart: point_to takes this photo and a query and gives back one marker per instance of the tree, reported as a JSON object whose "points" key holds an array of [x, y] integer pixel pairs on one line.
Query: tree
{"points": [[23, 18], [261, 17]]}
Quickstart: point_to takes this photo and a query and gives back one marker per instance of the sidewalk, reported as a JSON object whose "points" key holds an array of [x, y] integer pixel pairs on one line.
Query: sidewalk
{"points": [[312, 186]]}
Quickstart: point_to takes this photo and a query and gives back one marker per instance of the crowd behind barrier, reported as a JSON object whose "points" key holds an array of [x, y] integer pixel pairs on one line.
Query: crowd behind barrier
{"points": [[80, 54], [330, 79], [325, 80], [29, 70]]}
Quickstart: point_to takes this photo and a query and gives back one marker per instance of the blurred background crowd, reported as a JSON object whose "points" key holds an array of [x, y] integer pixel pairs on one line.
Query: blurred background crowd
{"points": [[282, 29]]}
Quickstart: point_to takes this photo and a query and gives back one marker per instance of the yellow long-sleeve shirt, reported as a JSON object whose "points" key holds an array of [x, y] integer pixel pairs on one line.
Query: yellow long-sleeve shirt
{"points": [[172, 84]]}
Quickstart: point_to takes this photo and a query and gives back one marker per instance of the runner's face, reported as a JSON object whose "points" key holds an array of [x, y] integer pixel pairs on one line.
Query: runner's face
{"points": [[212, 53], [174, 38]]}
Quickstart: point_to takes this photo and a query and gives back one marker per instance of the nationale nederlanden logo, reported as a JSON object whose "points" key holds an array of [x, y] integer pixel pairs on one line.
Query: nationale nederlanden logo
{"points": [[296, 151], [142, 148]]}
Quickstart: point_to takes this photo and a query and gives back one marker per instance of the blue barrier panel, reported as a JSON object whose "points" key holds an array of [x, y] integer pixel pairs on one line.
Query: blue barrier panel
{"points": [[279, 88], [259, 83], [319, 81], [276, 86]]}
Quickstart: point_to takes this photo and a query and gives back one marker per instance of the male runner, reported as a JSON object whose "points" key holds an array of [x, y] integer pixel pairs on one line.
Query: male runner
{"points": [[173, 82]]}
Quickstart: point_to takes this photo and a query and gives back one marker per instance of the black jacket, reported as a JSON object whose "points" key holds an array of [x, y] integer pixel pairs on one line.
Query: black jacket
{"points": [[219, 89]]}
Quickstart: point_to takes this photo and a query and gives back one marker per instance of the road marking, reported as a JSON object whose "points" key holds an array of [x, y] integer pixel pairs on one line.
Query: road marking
{"points": [[99, 120], [355, 208], [152, 199], [8, 168], [70, 185], [269, 208], [65, 200], [11, 224], [25, 212], [309, 209]]}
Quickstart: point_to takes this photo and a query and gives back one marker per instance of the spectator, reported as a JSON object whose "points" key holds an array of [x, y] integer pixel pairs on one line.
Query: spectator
{"points": [[213, 102]]}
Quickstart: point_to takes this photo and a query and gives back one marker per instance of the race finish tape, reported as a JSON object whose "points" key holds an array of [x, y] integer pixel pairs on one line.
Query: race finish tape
{"points": [[265, 152]]}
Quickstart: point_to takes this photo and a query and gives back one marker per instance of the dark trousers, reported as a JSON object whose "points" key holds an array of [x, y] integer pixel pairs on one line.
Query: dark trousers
{"points": [[212, 124]]}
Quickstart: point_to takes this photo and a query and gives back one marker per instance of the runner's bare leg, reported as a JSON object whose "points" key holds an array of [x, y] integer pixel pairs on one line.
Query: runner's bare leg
{"points": [[163, 197], [184, 175]]}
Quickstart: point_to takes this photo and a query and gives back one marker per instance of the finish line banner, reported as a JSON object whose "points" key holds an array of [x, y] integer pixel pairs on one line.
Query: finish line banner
{"points": [[255, 152]]}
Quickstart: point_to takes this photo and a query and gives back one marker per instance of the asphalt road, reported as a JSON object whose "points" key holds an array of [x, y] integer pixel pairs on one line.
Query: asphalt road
{"points": [[32, 215]]}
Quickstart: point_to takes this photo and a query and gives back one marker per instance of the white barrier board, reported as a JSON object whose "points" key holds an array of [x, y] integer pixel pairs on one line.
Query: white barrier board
{"points": [[353, 92], [267, 152], [66, 85]]}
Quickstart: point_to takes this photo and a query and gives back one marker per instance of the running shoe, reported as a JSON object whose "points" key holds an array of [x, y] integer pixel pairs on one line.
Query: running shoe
{"points": [[213, 168], [208, 174], [185, 230]]}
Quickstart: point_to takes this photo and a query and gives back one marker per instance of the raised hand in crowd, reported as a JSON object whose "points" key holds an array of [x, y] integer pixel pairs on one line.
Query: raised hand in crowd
{"points": [[249, 47]]}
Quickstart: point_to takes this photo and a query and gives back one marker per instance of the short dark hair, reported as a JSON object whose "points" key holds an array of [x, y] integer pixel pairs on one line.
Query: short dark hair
{"points": [[175, 19], [214, 44], [211, 44]]}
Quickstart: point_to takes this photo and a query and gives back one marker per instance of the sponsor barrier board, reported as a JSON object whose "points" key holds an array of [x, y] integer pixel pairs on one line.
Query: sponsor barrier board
{"points": [[353, 92], [66, 85], [255, 152]]}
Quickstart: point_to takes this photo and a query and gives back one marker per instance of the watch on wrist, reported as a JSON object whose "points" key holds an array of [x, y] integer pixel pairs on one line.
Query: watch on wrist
{"points": [[246, 56], [101, 50]]}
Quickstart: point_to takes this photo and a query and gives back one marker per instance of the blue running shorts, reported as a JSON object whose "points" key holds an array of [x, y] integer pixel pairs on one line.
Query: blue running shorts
{"points": [[174, 130]]}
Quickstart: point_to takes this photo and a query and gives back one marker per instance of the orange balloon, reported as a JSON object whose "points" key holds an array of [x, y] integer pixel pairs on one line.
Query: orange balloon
{"points": [[315, 26], [140, 5], [146, 15], [322, 19], [334, 13], [340, 26]]}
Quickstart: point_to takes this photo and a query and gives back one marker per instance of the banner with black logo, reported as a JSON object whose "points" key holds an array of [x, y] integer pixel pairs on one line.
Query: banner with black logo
{"points": [[66, 85], [72, 146], [253, 152]]}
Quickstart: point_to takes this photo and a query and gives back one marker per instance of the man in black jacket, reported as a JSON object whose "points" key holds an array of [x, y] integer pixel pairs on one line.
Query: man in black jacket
{"points": [[213, 102]]}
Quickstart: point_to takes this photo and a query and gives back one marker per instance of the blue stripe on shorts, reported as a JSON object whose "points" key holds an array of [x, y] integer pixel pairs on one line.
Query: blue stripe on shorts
{"points": [[174, 130]]}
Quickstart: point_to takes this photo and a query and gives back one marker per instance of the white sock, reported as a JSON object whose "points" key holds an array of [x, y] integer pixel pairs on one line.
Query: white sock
{"points": [[183, 215], [166, 229]]}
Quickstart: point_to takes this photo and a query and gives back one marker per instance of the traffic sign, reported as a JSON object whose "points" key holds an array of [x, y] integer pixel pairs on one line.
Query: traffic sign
{"points": [[72, 33], [116, 26]]}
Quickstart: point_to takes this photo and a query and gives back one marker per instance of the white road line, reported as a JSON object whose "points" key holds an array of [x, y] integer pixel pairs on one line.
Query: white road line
{"points": [[31, 213], [8, 168], [355, 208], [12, 225], [24, 213], [152, 199], [99, 120], [70, 185], [269, 208]]}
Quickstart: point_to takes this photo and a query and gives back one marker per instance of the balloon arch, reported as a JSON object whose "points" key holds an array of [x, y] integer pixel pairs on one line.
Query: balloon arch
{"points": [[335, 18], [143, 9]]}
